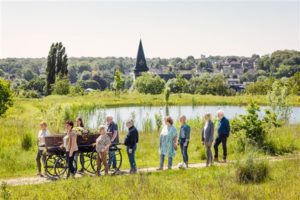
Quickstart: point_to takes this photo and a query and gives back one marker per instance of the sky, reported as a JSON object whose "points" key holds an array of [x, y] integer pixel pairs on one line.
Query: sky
{"points": [[167, 28]]}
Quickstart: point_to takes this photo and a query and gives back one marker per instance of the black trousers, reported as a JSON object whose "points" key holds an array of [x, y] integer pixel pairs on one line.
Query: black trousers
{"points": [[223, 140], [38, 160], [70, 160]]}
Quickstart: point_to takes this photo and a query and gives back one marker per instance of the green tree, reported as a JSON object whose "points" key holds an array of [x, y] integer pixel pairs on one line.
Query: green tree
{"points": [[178, 84], [149, 84], [5, 96], [61, 86], [278, 100], [57, 65], [28, 75], [118, 83], [50, 70]]}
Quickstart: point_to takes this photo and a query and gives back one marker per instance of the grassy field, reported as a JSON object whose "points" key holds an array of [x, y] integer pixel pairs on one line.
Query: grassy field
{"points": [[209, 183], [23, 119]]}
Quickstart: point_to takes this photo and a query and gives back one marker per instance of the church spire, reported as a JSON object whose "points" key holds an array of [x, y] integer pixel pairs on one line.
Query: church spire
{"points": [[141, 64]]}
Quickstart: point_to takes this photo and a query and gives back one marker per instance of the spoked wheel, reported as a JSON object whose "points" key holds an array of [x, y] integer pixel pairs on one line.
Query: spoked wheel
{"points": [[50, 166], [90, 162], [114, 150], [60, 166]]}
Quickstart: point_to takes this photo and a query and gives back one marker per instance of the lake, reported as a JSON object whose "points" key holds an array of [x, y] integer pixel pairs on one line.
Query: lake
{"points": [[143, 114]]}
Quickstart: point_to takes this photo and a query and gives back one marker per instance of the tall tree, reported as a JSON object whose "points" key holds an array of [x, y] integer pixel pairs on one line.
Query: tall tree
{"points": [[50, 70], [57, 64]]}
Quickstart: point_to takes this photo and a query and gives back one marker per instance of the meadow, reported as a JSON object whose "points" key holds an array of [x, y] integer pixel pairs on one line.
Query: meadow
{"points": [[207, 183], [23, 118]]}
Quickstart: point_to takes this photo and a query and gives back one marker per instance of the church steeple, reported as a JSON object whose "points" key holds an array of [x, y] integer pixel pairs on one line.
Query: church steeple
{"points": [[141, 64]]}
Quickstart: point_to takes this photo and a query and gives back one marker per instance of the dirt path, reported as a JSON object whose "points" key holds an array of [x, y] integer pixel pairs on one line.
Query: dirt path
{"points": [[39, 180]]}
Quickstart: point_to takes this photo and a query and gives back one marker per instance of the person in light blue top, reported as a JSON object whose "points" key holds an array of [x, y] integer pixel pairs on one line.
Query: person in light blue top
{"points": [[184, 139], [168, 143]]}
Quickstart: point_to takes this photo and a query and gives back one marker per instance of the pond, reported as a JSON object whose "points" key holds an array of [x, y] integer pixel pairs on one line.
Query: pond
{"points": [[145, 115]]}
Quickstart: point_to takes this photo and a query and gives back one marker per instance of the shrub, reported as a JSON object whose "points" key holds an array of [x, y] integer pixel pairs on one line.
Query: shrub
{"points": [[76, 90], [149, 84], [61, 86], [5, 96], [5, 193], [158, 121], [252, 171], [26, 141]]}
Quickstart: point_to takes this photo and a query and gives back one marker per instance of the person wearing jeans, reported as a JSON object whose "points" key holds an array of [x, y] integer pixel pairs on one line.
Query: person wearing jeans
{"points": [[112, 130], [184, 139], [208, 137], [131, 141], [223, 133], [168, 143], [71, 147]]}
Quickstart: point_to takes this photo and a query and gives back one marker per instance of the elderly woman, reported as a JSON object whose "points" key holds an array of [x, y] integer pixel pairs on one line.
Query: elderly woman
{"points": [[208, 137], [131, 141], [223, 134], [102, 147], [168, 143], [71, 147]]}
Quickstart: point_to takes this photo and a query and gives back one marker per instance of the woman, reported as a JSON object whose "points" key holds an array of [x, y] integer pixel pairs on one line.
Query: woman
{"points": [[102, 146], [208, 137], [80, 130], [71, 147], [168, 144], [41, 147], [131, 141]]}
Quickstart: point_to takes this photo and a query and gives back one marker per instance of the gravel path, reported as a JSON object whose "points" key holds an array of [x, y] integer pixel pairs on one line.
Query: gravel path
{"points": [[40, 180]]}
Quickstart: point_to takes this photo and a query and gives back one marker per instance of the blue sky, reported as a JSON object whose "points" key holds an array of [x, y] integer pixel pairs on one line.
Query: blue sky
{"points": [[168, 28]]}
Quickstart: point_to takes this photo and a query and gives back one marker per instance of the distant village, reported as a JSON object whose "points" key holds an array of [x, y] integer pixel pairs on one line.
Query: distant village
{"points": [[232, 67]]}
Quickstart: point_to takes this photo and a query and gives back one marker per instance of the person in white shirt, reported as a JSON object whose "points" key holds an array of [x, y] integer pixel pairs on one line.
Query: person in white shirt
{"points": [[41, 146]]}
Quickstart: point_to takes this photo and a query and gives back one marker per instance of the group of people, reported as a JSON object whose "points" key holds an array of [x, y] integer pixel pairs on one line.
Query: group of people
{"points": [[109, 135]]}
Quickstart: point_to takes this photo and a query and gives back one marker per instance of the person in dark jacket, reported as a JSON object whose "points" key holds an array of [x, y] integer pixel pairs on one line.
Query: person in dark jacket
{"points": [[184, 139], [223, 133], [131, 141], [208, 137]]}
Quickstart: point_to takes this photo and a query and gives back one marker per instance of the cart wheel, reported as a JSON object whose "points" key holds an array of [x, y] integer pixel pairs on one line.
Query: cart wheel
{"points": [[60, 166], [88, 164], [93, 161], [49, 167], [118, 155]]}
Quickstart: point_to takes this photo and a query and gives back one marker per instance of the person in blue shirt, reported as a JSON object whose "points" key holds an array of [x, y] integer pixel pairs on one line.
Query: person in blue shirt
{"points": [[223, 134], [184, 139]]}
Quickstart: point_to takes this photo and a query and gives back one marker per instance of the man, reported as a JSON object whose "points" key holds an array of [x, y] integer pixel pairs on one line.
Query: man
{"points": [[184, 138], [41, 146], [112, 131], [223, 133], [131, 141]]}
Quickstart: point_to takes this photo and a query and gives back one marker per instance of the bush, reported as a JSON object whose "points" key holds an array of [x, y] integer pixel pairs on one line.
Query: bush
{"points": [[30, 94], [149, 84], [158, 121], [252, 171], [76, 90], [61, 86], [26, 141], [5, 96]]}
